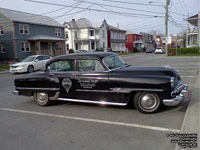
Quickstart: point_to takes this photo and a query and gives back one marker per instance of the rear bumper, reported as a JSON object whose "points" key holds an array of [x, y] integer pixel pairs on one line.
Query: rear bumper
{"points": [[177, 99]]}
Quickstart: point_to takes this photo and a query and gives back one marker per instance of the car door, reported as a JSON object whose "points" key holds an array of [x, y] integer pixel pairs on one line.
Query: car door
{"points": [[38, 63], [91, 80], [63, 71]]}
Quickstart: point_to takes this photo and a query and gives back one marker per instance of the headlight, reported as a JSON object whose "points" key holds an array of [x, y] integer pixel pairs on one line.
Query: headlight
{"points": [[172, 81], [23, 65]]}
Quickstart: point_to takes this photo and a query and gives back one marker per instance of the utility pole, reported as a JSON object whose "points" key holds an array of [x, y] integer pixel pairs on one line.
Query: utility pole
{"points": [[166, 27]]}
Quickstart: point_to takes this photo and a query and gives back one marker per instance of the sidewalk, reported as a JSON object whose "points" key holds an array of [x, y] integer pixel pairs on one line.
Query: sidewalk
{"points": [[5, 71], [191, 122]]}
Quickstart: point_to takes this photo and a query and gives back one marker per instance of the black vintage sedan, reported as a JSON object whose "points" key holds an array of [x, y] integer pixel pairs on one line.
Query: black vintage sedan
{"points": [[103, 78]]}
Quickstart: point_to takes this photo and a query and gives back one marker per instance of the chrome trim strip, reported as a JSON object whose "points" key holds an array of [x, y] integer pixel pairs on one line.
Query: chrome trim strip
{"points": [[29, 88], [16, 92], [119, 90], [92, 102], [85, 90], [128, 90]]}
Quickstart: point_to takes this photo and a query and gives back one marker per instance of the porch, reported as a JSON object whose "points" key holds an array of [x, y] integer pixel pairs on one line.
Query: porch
{"points": [[86, 44], [48, 45]]}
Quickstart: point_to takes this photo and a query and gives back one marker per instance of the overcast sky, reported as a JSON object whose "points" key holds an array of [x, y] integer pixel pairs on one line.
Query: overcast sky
{"points": [[134, 15]]}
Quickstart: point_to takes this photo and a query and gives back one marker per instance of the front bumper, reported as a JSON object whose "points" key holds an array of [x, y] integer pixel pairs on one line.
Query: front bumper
{"points": [[178, 98], [18, 70], [16, 92]]}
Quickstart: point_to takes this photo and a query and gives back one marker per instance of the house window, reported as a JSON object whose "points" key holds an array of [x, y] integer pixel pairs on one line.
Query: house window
{"points": [[91, 32], [59, 46], [24, 28], [66, 35], [25, 47], [75, 34], [58, 32], [67, 46], [2, 48], [134, 37], [103, 44], [1, 30], [103, 34]]}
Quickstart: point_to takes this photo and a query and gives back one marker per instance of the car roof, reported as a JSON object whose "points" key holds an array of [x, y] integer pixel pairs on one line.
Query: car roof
{"points": [[37, 55]]}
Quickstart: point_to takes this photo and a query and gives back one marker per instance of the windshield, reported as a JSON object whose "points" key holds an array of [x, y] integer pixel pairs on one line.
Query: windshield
{"points": [[29, 59], [113, 62]]}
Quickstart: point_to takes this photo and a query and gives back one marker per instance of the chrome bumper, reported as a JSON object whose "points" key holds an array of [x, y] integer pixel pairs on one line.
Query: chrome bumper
{"points": [[177, 99], [16, 92]]}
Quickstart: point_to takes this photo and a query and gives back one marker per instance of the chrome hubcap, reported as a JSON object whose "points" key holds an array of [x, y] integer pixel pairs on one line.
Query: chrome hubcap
{"points": [[149, 101], [41, 97]]}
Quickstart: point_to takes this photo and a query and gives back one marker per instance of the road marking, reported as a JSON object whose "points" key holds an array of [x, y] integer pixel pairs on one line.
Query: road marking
{"points": [[187, 71], [93, 120], [189, 76]]}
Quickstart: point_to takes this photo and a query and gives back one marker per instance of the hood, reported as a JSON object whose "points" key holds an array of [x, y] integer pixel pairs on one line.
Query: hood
{"points": [[147, 71]]}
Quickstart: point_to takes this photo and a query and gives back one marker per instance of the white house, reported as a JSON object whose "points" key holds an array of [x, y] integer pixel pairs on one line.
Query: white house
{"points": [[192, 32], [91, 36], [85, 35]]}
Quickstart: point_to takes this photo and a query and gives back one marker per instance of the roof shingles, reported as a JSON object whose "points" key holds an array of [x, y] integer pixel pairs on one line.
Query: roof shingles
{"points": [[19, 16]]}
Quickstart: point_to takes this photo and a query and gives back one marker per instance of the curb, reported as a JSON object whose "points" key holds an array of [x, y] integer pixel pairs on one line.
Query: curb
{"points": [[191, 122]]}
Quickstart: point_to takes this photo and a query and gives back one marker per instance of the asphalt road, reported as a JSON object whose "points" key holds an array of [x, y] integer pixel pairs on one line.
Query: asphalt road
{"points": [[26, 126]]}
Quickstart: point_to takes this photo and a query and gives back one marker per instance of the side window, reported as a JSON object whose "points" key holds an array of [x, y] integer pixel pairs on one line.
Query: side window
{"points": [[40, 58], [46, 57], [90, 65], [63, 66]]}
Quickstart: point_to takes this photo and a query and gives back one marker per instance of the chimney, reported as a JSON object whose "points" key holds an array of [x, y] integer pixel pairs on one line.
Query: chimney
{"points": [[73, 20]]}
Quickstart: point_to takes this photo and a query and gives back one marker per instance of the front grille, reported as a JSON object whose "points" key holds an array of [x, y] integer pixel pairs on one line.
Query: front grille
{"points": [[15, 66], [179, 87]]}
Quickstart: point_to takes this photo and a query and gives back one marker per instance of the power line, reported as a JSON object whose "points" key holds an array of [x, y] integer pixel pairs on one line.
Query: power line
{"points": [[186, 7], [147, 27], [133, 3], [77, 12], [181, 4], [118, 7], [97, 10]]}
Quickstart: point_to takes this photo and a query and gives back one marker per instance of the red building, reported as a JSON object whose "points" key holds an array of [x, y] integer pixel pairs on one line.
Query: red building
{"points": [[134, 40]]}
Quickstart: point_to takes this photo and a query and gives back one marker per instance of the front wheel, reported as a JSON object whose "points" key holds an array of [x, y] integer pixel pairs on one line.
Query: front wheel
{"points": [[147, 102], [30, 69], [42, 98]]}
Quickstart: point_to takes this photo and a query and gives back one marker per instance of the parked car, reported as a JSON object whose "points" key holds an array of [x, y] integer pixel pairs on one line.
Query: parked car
{"points": [[81, 51], [159, 50], [150, 50], [30, 64], [103, 78]]}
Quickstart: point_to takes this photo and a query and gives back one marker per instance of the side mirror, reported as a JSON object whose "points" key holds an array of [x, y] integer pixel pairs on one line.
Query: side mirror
{"points": [[36, 60]]}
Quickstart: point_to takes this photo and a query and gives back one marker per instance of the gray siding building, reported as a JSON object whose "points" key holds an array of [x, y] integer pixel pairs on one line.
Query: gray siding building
{"points": [[23, 34]]}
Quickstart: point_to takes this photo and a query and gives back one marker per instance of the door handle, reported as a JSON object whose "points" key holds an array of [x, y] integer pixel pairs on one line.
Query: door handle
{"points": [[76, 75]]}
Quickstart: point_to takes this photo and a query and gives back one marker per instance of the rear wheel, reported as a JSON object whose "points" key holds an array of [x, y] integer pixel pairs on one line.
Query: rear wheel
{"points": [[30, 69], [42, 98], [147, 102]]}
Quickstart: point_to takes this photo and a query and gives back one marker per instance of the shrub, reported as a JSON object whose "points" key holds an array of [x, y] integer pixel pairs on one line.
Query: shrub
{"points": [[135, 50], [144, 49], [184, 51], [71, 51]]}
